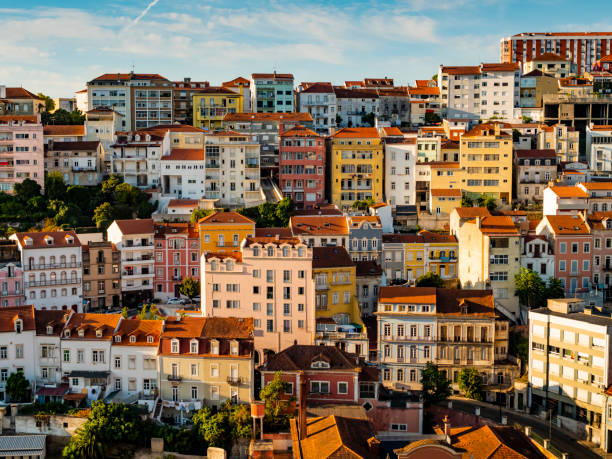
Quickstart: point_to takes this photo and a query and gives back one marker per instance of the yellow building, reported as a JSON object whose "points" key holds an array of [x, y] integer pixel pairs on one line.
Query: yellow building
{"points": [[205, 361], [224, 231], [336, 308], [356, 166], [442, 201], [561, 138], [486, 159], [210, 105]]}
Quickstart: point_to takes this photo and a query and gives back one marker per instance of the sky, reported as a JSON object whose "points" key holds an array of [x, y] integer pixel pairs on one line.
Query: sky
{"points": [[56, 47]]}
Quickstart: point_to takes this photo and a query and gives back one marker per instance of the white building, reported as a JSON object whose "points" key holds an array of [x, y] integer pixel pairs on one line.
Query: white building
{"points": [[82, 103], [134, 372], [17, 333], [53, 272], [103, 124], [480, 91], [564, 200], [47, 349], [86, 349], [354, 104], [233, 169], [599, 148], [537, 255], [319, 99], [182, 173], [400, 167], [134, 239]]}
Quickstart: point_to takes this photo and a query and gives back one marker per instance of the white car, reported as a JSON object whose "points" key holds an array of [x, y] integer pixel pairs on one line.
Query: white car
{"points": [[175, 301]]}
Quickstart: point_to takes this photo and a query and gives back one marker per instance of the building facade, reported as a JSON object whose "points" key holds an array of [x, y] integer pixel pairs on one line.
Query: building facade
{"points": [[79, 163], [22, 153], [534, 169], [272, 92], [101, 276]]}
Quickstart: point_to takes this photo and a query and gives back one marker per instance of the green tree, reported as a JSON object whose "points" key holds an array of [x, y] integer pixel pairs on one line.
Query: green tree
{"points": [[485, 200], [369, 119], [48, 101], [466, 201], [197, 214], [124, 312], [435, 77], [278, 405], [432, 118], [103, 215], [190, 287], [109, 185], [515, 135], [470, 383], [77, 117], [527, 119], [284, 211], [430, 279], [554, 289], [435, 386], [363, 205], [530, 288], [215, 428], [18, 387], [27, 190], [519, 346], [55, 188]]}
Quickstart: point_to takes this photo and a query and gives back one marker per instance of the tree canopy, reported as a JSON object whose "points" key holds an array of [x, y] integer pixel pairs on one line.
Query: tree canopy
{"points": [[277, 403], [190, 287], [533, 292], [470, 383], [430, 279], [436, 387], [18, 387], [268, 215], [197, 214]]}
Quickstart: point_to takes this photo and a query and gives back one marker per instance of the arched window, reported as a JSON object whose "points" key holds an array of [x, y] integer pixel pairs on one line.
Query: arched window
{"points": [[270, 251], [52, 260], [73, 276], [285, 251], [300, 251], [63, 260], [41, 262], [63, 276], [53, 276], [73, 258], [43, 278], [255, 251]]}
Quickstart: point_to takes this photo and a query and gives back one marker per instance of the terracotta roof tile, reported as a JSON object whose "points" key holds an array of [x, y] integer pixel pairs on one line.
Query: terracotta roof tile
{"points": [[48, 317], [331, 257], [461, 70], [183, 203], [569, 192], [60, 129], [318, 88], [424, 91], [8, 316], [472, 212], [547, 153], [357, 133], [225, 218], [50, 239], [319, 225], [591, 186], [500, 67], [140, 330], [548, 57], [498, 225], [567, 224], [276, 240], [368, 268], [20, 93], [136, 226], [90, 323], [400, 294], [90, 145], [300, 357], [185, 154], [300, 131]]}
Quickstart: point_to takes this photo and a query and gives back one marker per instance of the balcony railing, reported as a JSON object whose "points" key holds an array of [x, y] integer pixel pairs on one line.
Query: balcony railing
{"points": [[408, 338], [33, 266], [49, 282], [10, 292], [234, 381], [175, 378]]}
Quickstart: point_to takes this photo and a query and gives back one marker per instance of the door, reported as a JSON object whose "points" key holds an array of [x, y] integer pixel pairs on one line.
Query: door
{"points": [[177, 292]]}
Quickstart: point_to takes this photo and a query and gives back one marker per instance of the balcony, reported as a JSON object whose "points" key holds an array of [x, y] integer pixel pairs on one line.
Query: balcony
{"points": [[83, 168], [10, 292], [144, 259], [321, 286], [338, 335], [34, 266], [135, 274], [51, 282], [146, 245], [175, 378], [234, 380]]}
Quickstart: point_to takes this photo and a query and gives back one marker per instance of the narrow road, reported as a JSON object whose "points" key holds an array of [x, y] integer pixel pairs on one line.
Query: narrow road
{"points": [[565, 443], [267, 187]]}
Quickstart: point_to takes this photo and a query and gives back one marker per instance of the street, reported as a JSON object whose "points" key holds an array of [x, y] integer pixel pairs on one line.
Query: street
{"points": [[560, 439]]}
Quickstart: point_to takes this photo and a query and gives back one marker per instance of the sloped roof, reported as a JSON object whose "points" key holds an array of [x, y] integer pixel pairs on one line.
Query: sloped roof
{"points": [[89, 323], [548, 57], [472, 212], [567, 224], [185, 154], [136, 226], [42, 238], [319, 225], [20, 93], [401, 294], [569, 192], [224, 218], [8, 315], [331, 257], [355, 133], [89, 145], [54, 318], [368, 268], [61, 129], [300, 357]]}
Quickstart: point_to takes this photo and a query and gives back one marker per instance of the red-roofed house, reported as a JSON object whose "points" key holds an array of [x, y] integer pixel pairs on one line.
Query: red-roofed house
{"points": [[534, 169], [565, 200], [319, 99], [79, 163], [302, 166], [182, 173]]}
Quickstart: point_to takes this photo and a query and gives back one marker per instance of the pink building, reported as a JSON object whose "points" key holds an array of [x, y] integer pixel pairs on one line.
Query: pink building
{"points": [[302, 166], [270, 280], [572, 244], [600, 224], [11, 284], [177, 256], [22, 153]]}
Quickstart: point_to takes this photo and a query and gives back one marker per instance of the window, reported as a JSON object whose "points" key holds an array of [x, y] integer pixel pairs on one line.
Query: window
{"points": [[19, 351], [194, 369], [117, 361], [97, 356], [343, 387], [319, 387], [66, 354], [562, 247], [174, 346], [214, 371], [194, 392], [118, 384]]}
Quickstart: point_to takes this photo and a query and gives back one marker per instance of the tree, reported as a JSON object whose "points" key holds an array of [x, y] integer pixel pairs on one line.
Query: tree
{"points": [[554, 289], [197, 214], [190, 287], [369, 119], [284, 211], [485, 200], [363, 205], [55, 188], [432, 118], [109, 185], [519, 346], [223, 428], [430, 279], [466, 201], [27, 190], [103, 215], [435, 77], [278, 405], [49, 102], [470, 383], [436, 387], [18, 387], [527, 119], [124, 312], [338, 120], [530, 288], [515, 135]]}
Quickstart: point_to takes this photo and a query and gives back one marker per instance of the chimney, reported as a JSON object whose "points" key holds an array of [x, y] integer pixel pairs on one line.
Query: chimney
{"points": [[302, 407], [478, 222], [447, 429]]}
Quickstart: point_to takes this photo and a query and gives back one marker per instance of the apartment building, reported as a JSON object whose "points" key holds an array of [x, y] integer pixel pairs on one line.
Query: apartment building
{"points": [[489, 256], [177, 256], [47, 350], [551, 64], [101, 275], [561, 138], [53, 272], [21, 151], [565, 200], [319, 100], [182, 173], [572, 243], [242, 86], [534, 85], [79, 163], [17, 333], [356, 166], [479, 92], [600, 225], [338, 318], [365, 237], [534, 169], [210, 105], [222, 232], [395, 107], [400, 166], [582, 49], [11, 275], [271, 92], [133, 358], [321, 230], [233, 169], [143, 99], [101, 124], [598, 149], [205, 361], [486, 159], [19, 102], [569, 365], [354, 105], [265, 129], [271, 280], [63, 133], [369, 279], [409, 256], [135, 241], [599, 195], [302, 166], [182, 99], [453, 328], [537, 255]]}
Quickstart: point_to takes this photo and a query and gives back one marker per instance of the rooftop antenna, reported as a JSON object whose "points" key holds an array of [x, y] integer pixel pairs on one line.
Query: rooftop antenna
{"points": [[132, 65]]}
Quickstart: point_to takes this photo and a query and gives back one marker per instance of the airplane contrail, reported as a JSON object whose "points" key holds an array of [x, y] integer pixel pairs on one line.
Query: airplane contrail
{"points": [[144, 12]]}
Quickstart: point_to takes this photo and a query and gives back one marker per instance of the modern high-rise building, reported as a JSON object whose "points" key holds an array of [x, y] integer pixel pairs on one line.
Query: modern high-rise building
{"points": [[581, 48]]}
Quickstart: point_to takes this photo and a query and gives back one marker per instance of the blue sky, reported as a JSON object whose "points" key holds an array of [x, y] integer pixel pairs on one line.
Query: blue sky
{"points": [[56, 49]]}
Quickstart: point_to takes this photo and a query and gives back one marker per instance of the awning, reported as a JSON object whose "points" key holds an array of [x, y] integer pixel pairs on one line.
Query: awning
{"points": [[89, 374], [57, 391], [75, 396]]}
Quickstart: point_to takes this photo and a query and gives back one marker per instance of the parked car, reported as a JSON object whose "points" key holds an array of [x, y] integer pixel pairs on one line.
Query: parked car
{"points": [[175, 301]]}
